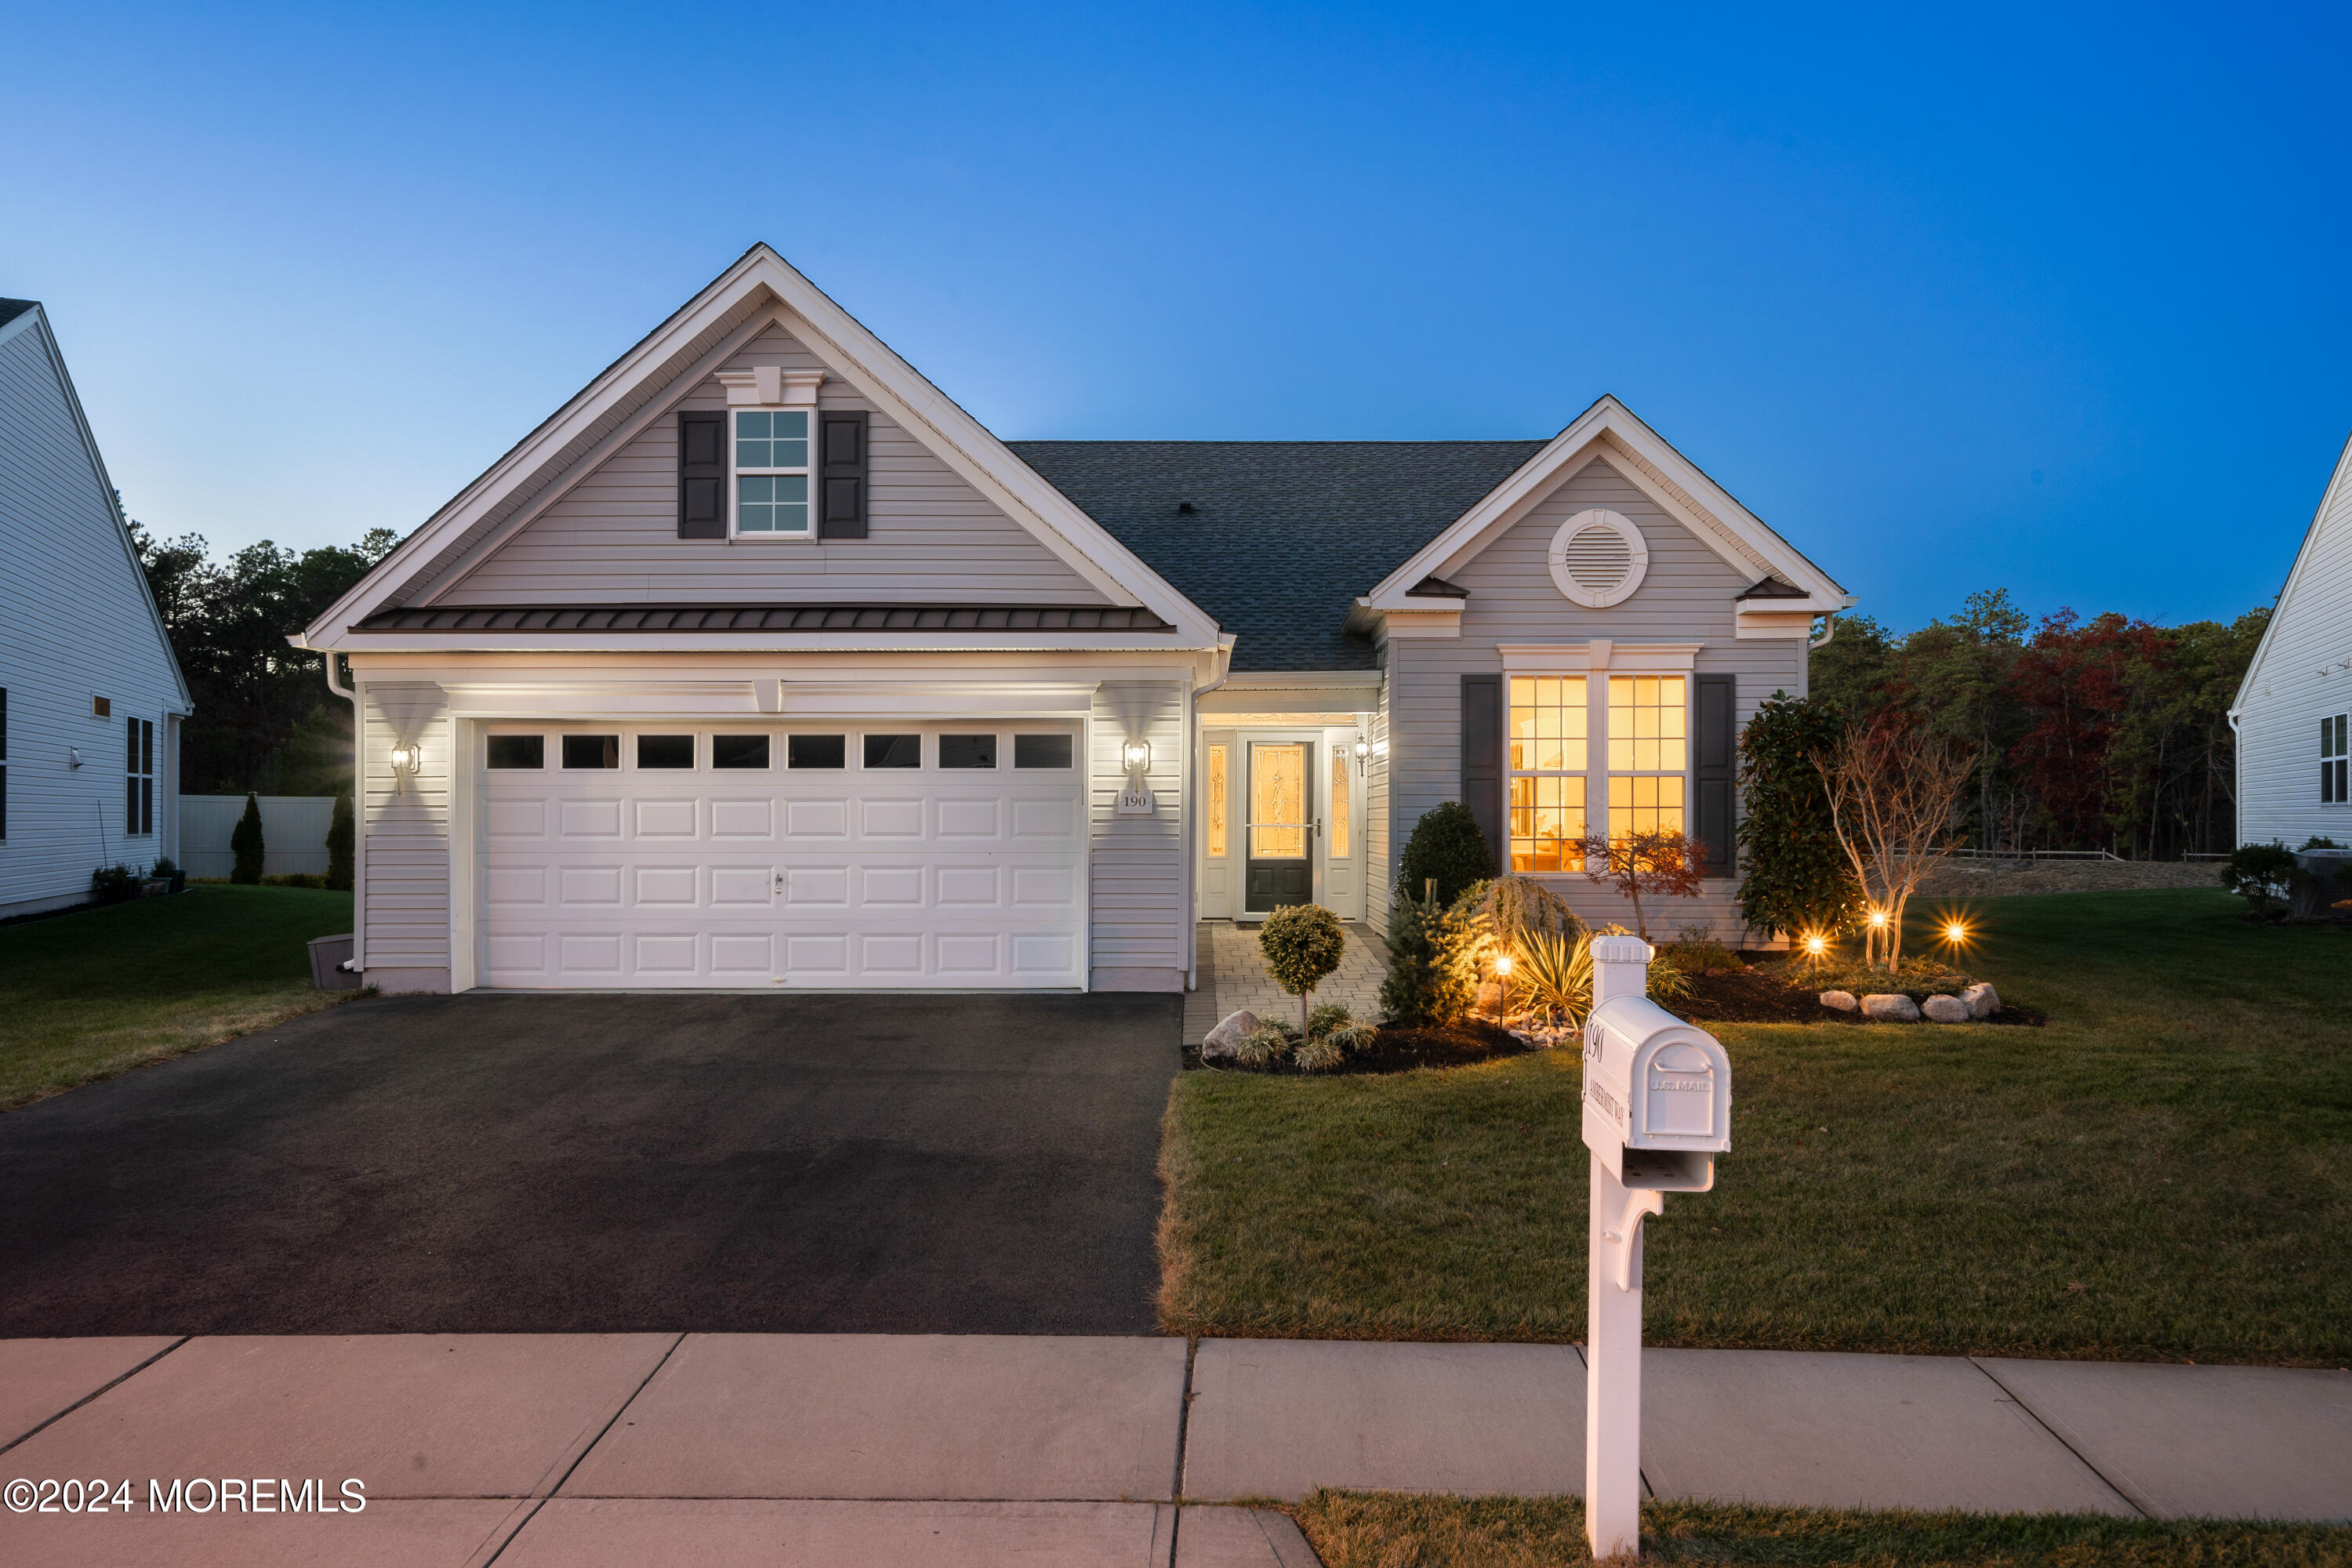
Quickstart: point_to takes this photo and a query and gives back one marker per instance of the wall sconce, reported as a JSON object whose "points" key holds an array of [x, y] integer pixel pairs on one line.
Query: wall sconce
{"points": [[1136, 757], [1136, 799], [403, 757], [1363, 750], [73, 757]]}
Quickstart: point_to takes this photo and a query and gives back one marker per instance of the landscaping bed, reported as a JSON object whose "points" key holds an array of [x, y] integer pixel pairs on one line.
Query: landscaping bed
{"points": [[1394, 1049], [2123, 1184], [1765, 994]]}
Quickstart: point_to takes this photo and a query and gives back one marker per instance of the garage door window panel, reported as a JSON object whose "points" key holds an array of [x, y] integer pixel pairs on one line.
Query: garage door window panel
{"points": [[1041, 750], [592, 750], [517, 750], [894, 751], [817, 750], [738, 751], [666, 752], [967, 751]]}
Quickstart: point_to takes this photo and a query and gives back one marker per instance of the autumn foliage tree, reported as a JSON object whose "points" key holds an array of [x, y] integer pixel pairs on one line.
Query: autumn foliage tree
{"points": [[1663, 862]]}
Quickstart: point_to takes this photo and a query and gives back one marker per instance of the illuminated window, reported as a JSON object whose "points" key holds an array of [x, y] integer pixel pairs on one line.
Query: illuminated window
{"points": [[1340, 850], [1216, 803], [1547, 762], [1648, 751]]}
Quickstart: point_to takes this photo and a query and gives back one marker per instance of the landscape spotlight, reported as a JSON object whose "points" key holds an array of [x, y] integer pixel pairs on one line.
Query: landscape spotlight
{"points": [[1817, 945], [1955, 933], [1503, 964], [1878, 920]]}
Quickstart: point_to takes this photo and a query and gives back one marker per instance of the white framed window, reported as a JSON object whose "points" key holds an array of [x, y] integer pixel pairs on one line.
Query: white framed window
{"points": [[770, 454], [1550, 723], [2335, 759], [1648, 754], [138, 814]]}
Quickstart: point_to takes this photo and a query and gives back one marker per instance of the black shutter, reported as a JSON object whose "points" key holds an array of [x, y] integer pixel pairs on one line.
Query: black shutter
{"points": [[1482, 761], [702, 475], [1717, 745], [841, 475]]}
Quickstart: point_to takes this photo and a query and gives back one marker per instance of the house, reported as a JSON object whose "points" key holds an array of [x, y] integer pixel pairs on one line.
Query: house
{"points": [[2293, 710], [761, 663], [90, 695]]}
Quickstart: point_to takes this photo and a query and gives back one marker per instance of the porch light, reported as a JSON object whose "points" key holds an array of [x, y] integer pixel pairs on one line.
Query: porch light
{"points": [[1363, 750], [1136, 755], [403, 757]]}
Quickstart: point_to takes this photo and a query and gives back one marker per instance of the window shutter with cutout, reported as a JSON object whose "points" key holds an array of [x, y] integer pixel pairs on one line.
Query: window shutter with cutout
{"points": [[702, 475], [841, 474], [1715, 758]]}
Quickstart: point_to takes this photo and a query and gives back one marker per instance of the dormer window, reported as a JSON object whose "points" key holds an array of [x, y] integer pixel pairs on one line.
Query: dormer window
{"points": [[771, 473]]}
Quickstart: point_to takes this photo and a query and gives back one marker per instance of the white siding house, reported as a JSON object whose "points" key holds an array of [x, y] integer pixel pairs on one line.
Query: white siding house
{"points": [[761, 663], [91, 697], [2295, 707]]}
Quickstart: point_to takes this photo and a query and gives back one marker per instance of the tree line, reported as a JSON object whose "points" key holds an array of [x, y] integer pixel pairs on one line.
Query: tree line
{"points": [[265, 720], [2106, 733]]}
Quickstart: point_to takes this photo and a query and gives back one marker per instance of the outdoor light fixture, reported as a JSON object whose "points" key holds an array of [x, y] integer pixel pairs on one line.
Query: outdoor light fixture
{"points": [[1817, 945], [403, 757], [1136, 799], [1136, 756], [1363, 750], [1503, 964], [1955, 933], [1878, 920]]}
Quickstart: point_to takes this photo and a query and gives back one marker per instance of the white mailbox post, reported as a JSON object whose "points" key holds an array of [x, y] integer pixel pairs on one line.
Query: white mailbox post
{"points": [[1658, 1110]]}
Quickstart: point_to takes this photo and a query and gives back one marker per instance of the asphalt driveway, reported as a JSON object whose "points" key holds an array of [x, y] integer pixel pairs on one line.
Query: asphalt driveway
{"points": [[808, 1163]]}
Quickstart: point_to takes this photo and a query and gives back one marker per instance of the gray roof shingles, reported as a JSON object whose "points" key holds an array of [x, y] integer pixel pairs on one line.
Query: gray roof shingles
{"points": [[12, 309], [1284, 535]]}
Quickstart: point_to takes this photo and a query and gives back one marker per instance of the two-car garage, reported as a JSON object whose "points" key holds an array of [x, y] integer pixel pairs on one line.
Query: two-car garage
{"points": [[892, 855]]}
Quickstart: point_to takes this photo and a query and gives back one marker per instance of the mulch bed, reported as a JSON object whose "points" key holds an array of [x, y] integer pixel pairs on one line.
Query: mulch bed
{"points": [[1402, 1050]]}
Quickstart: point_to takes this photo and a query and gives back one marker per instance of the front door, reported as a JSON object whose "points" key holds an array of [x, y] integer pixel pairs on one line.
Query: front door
{"points": [[1281, 826]]}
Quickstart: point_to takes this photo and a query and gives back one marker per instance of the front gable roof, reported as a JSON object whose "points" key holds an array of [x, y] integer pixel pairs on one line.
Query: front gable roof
{"points": [[759, 289], [1609, 430], [2316, 537]]}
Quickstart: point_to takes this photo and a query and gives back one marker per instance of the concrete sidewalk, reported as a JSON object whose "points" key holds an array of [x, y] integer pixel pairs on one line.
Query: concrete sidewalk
{"points": [[888, 1449]]}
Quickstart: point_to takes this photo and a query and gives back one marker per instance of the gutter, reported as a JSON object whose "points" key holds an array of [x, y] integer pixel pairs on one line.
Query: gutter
{"points": [[358, 959]]}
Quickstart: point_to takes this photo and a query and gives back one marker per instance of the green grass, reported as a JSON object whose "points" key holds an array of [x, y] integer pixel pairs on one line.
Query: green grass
{"points": [[1393, 1530], [2163, 1172], [98, 992]]}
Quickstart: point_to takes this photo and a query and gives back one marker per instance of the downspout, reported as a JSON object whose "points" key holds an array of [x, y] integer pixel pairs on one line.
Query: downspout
{"points": [[1828, 630], [2238, 780], [359, 813]]}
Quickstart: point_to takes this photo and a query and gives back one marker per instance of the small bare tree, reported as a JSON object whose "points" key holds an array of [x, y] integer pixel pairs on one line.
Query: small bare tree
{"points": [[1660, 861], [1895, 801]]}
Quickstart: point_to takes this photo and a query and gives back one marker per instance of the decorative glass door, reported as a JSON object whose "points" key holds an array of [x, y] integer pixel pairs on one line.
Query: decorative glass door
{"points": [[1281, 827]]}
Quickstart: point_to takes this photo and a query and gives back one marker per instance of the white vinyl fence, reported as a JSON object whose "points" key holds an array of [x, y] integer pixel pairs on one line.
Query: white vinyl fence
{"points": [[293, 833]]}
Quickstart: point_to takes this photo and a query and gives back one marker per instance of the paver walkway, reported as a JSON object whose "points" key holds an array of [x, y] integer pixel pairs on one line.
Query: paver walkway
{"points": [[980, 1450], [1231, 957]]}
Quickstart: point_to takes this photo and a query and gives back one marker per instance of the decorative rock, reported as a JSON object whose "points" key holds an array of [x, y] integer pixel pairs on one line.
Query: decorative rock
{"points": [[1982, 999], [1842, 1000], [1947, 1010], [1895, 1008], [1224, 1041]]}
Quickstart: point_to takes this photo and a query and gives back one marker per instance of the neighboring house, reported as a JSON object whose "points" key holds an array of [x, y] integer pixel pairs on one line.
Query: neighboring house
{"points": [[91, 697], [762, 663], [2293, 711]]}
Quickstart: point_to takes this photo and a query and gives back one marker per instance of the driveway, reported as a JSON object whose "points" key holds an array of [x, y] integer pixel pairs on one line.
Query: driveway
{"points": [[912, 1163]]}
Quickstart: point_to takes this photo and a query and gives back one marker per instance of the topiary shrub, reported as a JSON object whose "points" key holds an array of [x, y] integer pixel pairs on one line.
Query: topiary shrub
{"points": [[245, 843], [339, 847], [1302, 944], [1447, 845]]}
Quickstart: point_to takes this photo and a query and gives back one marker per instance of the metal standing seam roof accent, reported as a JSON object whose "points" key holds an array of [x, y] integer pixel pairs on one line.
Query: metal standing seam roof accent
{"points": [[765, 618]]}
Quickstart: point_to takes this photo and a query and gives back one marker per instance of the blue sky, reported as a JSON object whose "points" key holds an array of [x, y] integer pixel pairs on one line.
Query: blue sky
{"points": [[2054, 299]]}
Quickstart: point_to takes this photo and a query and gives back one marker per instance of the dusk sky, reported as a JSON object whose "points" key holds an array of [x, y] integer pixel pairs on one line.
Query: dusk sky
{"points": [[2055, 299]]}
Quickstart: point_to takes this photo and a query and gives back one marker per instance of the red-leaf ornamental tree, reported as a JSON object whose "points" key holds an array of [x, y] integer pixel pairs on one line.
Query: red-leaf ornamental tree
{"points": [[1663, 862]]}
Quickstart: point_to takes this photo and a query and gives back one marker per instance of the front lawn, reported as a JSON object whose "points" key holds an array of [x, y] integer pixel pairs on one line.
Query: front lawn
{"points": [[1394, 1530], [2165, 1170], [92, 994]]}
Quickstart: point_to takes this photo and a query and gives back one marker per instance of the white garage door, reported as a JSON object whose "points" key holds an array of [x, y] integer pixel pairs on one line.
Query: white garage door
{"points": [[946, 855]]}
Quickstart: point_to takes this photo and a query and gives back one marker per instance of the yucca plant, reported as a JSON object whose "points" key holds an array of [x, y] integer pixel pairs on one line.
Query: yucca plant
{"points": [[1553, 969]]}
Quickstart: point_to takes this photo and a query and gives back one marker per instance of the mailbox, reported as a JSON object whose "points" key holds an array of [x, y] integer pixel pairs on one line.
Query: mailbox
{"points": [[1657, 1091]]}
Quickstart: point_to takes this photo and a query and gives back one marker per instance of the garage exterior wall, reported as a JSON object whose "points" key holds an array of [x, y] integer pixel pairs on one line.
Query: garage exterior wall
{"points": [[1138, 901], [404, 876], [1686, 597], [612, 538]]}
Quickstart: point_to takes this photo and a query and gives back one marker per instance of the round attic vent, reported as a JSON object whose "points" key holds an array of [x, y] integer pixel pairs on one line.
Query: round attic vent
{"points": [[1598, 557]]}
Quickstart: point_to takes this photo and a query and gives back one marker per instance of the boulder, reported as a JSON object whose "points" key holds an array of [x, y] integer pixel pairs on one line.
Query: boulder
{"points": [[1947, 1010], [1842, 1000], [1224, 1042], [1895, 1008], [1982, 999]]}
